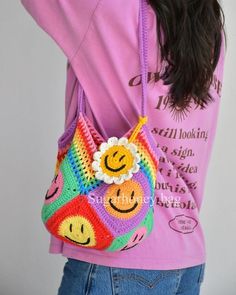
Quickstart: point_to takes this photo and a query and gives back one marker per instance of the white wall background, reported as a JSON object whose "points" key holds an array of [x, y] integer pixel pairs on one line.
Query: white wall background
{"points": [[32, 85]]}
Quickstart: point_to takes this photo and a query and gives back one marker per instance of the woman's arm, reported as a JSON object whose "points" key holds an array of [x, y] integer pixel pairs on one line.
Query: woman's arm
{"points": [[67, 22]]}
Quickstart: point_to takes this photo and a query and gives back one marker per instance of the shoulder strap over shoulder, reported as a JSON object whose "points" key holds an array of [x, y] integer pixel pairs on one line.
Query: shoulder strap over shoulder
{"points": [[143, 49]]}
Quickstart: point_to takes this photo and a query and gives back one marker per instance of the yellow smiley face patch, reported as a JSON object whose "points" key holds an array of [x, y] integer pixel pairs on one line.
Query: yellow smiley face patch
{"points": [[78, 229], [116, 160]]}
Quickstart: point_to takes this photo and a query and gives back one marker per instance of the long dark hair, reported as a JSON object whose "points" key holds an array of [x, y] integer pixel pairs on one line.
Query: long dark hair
{"points": [[190, 46]]}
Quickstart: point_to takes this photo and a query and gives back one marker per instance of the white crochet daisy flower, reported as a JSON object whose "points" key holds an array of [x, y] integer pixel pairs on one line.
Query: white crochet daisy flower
{"points": [[116, 160]]}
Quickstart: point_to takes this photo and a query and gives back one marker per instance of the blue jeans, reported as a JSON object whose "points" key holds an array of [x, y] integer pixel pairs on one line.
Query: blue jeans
{"points": [[83, 278]]}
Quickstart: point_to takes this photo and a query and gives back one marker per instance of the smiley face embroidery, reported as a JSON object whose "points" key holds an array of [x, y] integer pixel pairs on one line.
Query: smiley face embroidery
{"points": [[135, 239], [78, 230], [116, 160], [124, 200], [55, 189]]}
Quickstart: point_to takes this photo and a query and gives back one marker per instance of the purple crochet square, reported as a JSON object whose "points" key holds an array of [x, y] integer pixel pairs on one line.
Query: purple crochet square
{"points": [[117, 225]]}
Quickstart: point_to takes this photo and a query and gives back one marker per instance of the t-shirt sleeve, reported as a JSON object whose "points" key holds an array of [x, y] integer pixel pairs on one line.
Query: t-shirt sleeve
{"points": [[67, 22]]}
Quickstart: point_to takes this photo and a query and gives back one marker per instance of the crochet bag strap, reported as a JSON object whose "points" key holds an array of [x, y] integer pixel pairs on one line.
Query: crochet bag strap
{"points": [[143, 49]]}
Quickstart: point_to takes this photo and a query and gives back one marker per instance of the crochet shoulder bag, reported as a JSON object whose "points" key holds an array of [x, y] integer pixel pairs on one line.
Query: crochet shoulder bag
{"points": [[102, 193]]}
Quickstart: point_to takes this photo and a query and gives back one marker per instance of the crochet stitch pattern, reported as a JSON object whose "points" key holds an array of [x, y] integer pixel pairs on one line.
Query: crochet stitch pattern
{"points": [[72, 181]]}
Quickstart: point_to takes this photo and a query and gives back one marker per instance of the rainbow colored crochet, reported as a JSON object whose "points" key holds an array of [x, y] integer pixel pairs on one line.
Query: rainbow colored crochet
{"points": [[85, 211]]}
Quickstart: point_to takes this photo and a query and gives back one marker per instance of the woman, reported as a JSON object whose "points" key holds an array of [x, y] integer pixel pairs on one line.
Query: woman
{"points": [[186, 52]]}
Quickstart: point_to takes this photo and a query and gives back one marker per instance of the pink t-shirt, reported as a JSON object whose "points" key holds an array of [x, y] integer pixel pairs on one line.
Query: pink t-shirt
{"points": [[100, 41]]}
